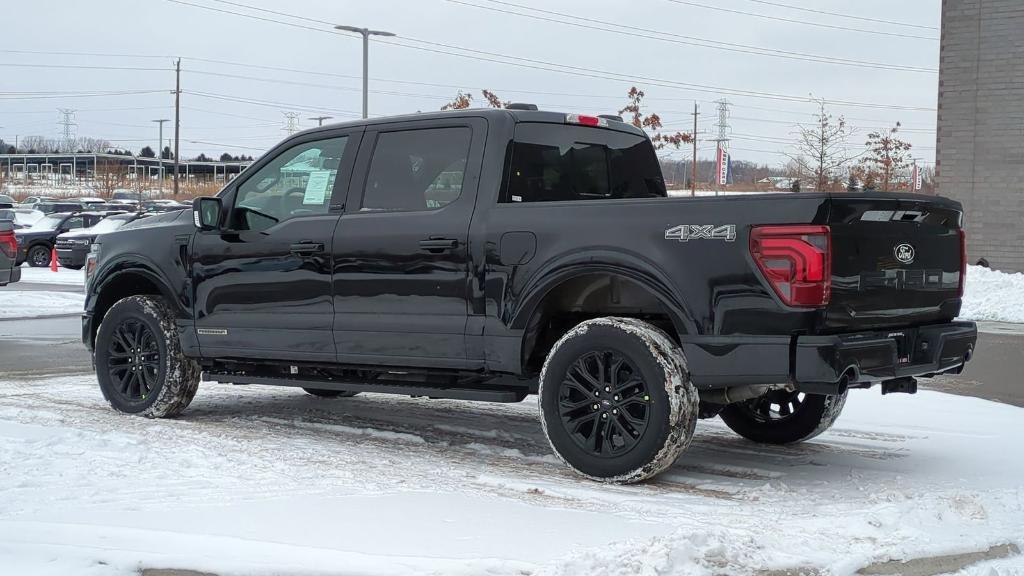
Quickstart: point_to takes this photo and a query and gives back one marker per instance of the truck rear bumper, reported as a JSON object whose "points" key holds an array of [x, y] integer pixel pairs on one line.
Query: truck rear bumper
{"points": [[820, 362], [878, 356]]}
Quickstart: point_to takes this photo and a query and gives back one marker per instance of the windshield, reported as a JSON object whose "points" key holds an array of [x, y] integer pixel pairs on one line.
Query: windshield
{"points": [[108, 225], [47, 223], [6, 214]]}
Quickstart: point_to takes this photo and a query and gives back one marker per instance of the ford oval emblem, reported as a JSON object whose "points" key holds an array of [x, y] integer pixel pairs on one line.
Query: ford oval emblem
{"points": [[904, 253]]}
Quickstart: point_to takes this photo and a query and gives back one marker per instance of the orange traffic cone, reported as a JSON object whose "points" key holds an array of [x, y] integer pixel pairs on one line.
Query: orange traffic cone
{"points": [[53, 259]]}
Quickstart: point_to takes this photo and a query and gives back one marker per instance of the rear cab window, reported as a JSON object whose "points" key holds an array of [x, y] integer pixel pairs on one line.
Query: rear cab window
{"points": [[558, 163]]}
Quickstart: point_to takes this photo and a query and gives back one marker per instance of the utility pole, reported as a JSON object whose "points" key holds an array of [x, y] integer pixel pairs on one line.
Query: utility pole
{"points": [[291, 122], [723, 134], [693, 169], [177, 120], [366, 32], [160, 155], [320, 119]]}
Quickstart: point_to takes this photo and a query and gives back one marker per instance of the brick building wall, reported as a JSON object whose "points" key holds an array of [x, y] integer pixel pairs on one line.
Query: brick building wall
{"points": [[980, 140]]}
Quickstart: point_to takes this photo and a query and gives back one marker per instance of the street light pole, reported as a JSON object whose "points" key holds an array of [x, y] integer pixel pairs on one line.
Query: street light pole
{"points": [[366, 33], [159, 156]]}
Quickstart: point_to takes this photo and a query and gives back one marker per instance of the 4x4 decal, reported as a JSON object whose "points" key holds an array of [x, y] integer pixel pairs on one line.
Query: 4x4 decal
{"points": [[687, 232]]}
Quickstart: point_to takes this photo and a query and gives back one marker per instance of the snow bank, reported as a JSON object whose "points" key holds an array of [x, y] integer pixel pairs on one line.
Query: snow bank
{"points": [[992, 295], [47, 276], [260, 480], [30, 304]]}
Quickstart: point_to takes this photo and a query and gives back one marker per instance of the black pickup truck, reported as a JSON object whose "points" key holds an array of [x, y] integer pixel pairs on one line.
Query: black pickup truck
{"points": [[492, 254]]}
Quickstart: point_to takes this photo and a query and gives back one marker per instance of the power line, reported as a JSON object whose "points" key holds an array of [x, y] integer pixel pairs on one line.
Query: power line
{"points": [[805, 22], [484, 56], [269, 103], [634, 31], [839, 15], [71, 94], [88, 54], [84, 67]]}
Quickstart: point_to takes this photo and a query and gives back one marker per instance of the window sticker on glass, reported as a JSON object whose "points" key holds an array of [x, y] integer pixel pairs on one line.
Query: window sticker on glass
{"points": [[316, 187]]}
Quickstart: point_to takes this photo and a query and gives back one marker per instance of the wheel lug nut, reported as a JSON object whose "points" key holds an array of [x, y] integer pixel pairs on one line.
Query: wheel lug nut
{"points": [[596, 393], [604, 416], [607, 389], [595, 406], [616, 397], [615, 411]]}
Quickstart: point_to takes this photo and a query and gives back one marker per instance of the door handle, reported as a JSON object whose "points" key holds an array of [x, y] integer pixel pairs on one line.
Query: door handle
{"points": [[307, 248], [438, 245]]}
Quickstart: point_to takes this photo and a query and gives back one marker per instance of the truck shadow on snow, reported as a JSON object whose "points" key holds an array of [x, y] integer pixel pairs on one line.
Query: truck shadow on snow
{"points": [[718, 463]]}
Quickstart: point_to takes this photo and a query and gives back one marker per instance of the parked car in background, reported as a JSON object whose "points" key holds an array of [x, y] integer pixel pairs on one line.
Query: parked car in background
{"points": [[19, 217], [36, 243], [59, 206], [31, 201], [163, 205], [88, 201], [73, 247], [9, 272], [6, 201], [25, 217], [125, 196]]}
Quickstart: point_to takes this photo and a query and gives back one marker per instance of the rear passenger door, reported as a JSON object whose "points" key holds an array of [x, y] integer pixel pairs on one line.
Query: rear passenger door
{"points": [[401, 259]]}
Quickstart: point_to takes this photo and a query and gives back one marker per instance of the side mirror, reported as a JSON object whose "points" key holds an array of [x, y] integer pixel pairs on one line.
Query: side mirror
{"points": [[206, 213]]}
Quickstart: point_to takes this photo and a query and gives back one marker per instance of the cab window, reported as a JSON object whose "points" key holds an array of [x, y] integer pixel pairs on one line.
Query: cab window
{"points": [[298, 182], [416, 170], [557, 163], [74, 223]]}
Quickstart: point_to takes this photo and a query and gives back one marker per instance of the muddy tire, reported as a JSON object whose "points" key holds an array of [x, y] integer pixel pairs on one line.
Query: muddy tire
{"points": [[616, 400], [781, 417], [139, 363], [321, 393]]}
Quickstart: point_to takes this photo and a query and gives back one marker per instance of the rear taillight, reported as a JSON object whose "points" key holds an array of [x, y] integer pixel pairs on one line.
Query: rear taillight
{"points": [[8, 244], [796, 261], [963, 260]]}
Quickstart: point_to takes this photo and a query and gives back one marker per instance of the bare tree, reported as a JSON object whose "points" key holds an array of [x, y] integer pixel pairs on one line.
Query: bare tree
{"points": [[464, 100], [37, 144], [87, 144], [888, 156], [651, 122], [109, 175], [821, 149]]}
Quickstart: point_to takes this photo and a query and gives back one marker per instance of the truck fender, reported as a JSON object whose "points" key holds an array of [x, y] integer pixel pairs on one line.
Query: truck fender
{"points": [[632, 267]]}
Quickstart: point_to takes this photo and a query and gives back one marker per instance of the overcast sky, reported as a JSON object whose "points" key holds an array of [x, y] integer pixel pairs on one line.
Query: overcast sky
{"points": [[554, 64]]}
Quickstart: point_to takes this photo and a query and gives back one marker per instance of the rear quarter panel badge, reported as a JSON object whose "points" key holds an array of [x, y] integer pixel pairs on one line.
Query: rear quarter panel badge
{"points": [[687, 232]]}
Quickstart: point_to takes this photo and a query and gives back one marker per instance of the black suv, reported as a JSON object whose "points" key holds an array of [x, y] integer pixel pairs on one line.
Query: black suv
{"points": [[492, 254], [36, 243], [73, 247]]}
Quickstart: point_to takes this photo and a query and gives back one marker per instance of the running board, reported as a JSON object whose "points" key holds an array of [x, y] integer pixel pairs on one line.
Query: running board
{"points": [[379, 386]]}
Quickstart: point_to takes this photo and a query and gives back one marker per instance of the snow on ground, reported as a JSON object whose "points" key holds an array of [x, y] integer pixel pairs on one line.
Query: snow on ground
{"points": [[26, 304], [258, 480], [47, 276], [993, 295]]}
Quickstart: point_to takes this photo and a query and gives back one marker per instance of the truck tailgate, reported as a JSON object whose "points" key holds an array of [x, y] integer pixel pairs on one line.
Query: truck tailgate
{"points": [[896, 261]]}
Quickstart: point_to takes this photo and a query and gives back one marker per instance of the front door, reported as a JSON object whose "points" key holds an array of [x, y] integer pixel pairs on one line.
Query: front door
{"points": [[262, 284], [401, 258]]}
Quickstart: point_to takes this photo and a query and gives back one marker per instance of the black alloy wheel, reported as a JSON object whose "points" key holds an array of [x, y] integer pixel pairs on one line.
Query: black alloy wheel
{"points": [[39, 256], [604, 403], [775, 405], [784, 416], [134, 360]]}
